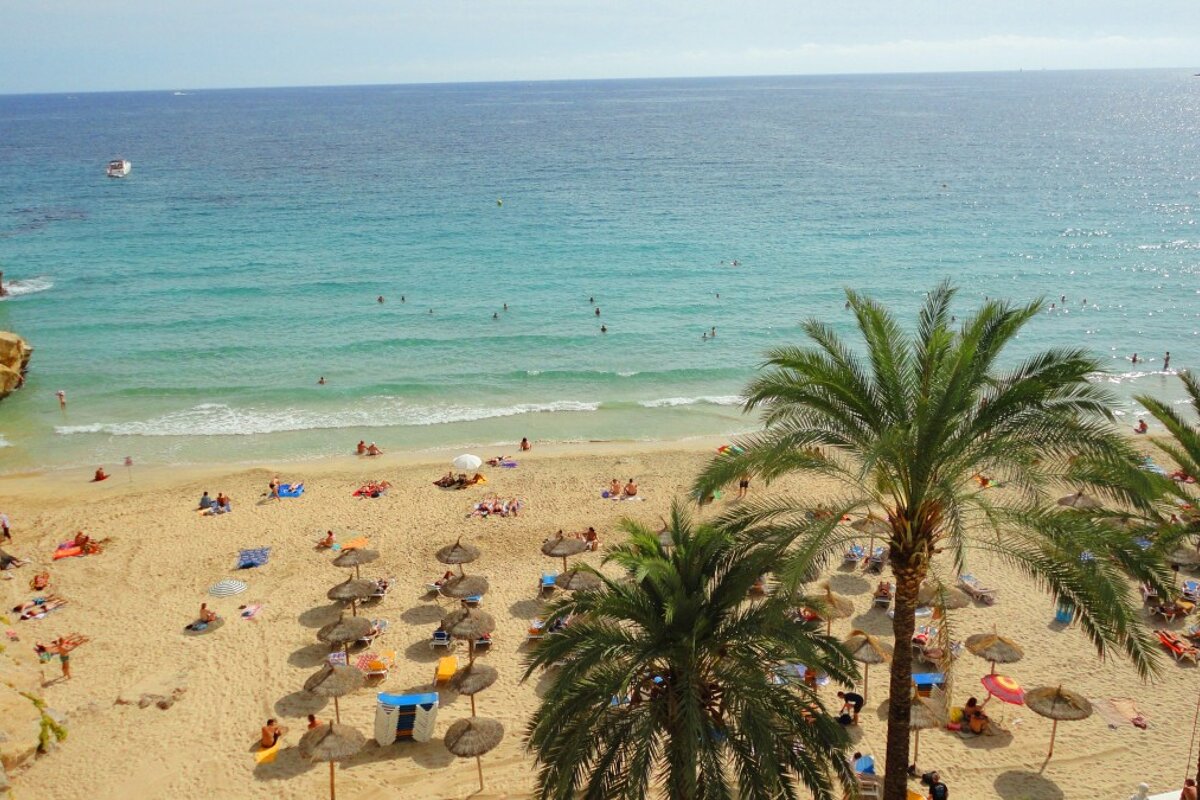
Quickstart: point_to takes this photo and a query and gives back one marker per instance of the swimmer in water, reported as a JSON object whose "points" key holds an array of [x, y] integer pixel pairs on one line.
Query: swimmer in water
{"points": [[1062, 298], [592, 300], [704, 336], [1134, 359], [379, 299], [597, 311], [604, 329], [1167, 360], [713, 332], [431, 311], [401, 298], [321, 381], [495, 315], [506, 306]]}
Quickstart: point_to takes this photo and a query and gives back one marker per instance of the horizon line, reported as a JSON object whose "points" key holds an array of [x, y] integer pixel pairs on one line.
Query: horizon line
{"points": [[1013, 71]]}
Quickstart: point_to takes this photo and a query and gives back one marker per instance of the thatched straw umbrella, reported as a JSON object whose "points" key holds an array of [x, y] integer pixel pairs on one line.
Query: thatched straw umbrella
{"points": [[344, 632], [473, 679], [872, 526], [995, 648], [356, 558], [353, 590], [1080, 501], [935, 593], [464, 586], [335, 681], [574, 580], [468, 624], [331, 742], [562, 547], [867, 650], [471, 738], [458, 554], [926, 712], [1057, 703], [836, 607]]}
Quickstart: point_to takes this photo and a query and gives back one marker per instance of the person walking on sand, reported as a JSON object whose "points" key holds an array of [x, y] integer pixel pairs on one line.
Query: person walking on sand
{"points": [[1189, 790]]}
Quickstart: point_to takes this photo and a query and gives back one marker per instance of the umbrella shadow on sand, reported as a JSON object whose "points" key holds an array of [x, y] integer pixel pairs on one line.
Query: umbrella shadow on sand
{"points": [[320, 616], [1015, 783], [423, 615], [287, 765], [849, 584], [309, 656], [430, 755], [300, 704], [526, 609], [874, 622], [422, 652]]}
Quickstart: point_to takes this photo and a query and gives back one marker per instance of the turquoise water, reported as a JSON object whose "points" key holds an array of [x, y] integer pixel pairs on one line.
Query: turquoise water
{"points": [[189, 309]]}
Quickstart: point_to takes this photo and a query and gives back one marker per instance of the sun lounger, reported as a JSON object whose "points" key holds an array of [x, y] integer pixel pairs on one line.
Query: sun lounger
{"points": [[1148, 593], [975, 588], [447, 666], [537, 630], [380, 626], [926, 681], [337, 658], [1177, 647], [883, 600], [441, 639], [385, 585], [1191, 591], [1172, 611], [474, 601], [483, 643], [876, 559], [855, 554], [376, 666], [869, 786], [547, 584]]}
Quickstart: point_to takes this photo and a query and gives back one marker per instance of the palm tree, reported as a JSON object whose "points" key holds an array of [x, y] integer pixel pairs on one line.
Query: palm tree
{"points": [[666, 677], [1184, 444], [907, 426]]}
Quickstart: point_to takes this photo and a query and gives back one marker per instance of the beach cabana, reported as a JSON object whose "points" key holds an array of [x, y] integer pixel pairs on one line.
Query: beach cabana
{"points": [[574, 580], [867, 650], [936, 593], [1057, 703], [835, 606], [563, 547], [471, 738], [335, 681], [1080, 501], [464, 587], [872, 526], [331, 742], [344, 632]]}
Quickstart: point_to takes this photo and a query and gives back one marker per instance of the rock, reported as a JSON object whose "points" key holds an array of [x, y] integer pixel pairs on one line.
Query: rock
{"points": [[158, 690], [21, 721], [14, 360]]}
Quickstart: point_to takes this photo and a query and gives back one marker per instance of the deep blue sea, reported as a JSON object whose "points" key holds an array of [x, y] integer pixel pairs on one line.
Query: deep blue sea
{"points": [[189, 309]]}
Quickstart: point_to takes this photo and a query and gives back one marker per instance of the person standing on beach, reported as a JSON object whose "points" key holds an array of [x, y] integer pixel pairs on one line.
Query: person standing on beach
{"points": [[743, 486]]}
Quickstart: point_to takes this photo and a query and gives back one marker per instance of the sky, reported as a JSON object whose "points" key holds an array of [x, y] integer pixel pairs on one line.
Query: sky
{"points": [[106, 45]]}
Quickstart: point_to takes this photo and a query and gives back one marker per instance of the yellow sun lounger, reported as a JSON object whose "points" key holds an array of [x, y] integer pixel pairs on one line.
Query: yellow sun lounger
{"points": [[268, 755], [446, 667]]}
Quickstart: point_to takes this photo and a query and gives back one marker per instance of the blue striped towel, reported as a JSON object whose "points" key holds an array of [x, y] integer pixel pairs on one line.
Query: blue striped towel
{"points": [[255, 557]]}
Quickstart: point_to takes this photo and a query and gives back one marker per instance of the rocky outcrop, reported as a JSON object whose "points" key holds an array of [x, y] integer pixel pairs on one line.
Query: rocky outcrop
{"points": [[14, 360]]}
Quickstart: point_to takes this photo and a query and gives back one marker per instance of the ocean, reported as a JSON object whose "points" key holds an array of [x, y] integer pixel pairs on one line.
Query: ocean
{"points": [[189, 310]]}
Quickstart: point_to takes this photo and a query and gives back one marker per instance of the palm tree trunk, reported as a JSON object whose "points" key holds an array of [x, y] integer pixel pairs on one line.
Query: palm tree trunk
{"points": [[895, 781]]}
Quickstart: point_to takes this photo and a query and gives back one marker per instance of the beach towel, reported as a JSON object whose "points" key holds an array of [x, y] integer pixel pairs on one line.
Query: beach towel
{"points": [[254, 557], [508, 464], [251, 611], [268, 755], [1119, 712], [67, 552], [291, 489], [355, 544]]}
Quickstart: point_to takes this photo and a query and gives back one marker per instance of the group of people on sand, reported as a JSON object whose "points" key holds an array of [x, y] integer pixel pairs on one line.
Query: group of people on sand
{"points": [[495, 507], [221, 505], [61, 647], [38, 607], [459, 481], [364, 449], [618, 492]]}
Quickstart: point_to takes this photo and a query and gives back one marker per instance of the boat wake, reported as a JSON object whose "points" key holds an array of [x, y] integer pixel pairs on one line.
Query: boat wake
{"points": [[20, 288]]}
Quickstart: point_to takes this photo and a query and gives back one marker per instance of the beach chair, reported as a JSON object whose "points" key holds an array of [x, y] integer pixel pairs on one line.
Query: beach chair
{"points": [[380, 627], [1149, 593], [869, 786], [924, 682], [547, 585], [447, 666], [1177, 647], [441, 639], [376, 666], [882, 599], [855, 554], [337, 658], [474, 601], [976, 589], [1172, 611], [1191, 591], [876, 559], [537, 630], [483, 643], [385, 585]]}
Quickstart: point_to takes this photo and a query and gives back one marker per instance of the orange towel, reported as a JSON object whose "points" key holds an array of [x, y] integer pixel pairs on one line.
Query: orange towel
{"points": [[356, 544]]}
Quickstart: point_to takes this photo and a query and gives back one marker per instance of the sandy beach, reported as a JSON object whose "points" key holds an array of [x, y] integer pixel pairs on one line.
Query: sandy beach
{"points": [[134, 599]]}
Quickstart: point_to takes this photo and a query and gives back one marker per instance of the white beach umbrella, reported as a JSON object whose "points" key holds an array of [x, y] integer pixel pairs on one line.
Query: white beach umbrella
{"points": [[226, 588], [467, 463]]}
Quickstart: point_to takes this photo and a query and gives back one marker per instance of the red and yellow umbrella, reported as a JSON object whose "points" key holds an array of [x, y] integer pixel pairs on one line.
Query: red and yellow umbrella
{"points": [[1004, 688]]}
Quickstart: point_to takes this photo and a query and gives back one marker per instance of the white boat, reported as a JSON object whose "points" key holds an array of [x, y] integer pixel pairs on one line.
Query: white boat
{"points": [[119, 167]]}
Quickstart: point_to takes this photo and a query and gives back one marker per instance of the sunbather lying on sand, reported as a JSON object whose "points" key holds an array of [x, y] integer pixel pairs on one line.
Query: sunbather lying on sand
{"points": [[498, 508], [41, 611], [36, 602], [40, 581], [373, 489]]}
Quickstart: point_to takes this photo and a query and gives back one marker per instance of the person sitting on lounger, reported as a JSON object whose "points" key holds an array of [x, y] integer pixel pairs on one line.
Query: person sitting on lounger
{"points": [[447, 576], [373, 450], [883, 591]]}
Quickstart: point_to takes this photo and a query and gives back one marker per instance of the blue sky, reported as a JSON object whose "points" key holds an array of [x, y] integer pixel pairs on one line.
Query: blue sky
{"points": [[92, 45]]}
